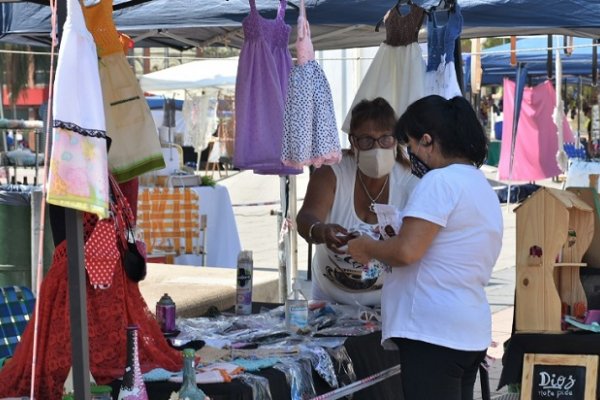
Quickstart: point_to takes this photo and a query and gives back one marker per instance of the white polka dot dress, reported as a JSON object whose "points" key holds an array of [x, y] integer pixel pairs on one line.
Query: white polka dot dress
{"points": [[310, 135]]}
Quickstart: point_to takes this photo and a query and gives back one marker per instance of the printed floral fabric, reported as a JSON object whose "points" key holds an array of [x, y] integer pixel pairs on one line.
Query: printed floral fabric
{"points": [[78, 172]]}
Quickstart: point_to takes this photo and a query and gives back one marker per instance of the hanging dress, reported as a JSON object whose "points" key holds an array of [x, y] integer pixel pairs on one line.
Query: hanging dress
{"points": [[78, 165], [260, 91], [135, 145], [109, 312], [440, 77], [397, 73], [310, 135]]}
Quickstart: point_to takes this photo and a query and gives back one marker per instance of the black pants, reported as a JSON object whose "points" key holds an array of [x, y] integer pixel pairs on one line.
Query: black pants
{"points": [[431, 372]]}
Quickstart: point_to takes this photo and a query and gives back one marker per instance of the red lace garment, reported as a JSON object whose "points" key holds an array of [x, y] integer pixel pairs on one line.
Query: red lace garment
{"points": [[109, 312]]}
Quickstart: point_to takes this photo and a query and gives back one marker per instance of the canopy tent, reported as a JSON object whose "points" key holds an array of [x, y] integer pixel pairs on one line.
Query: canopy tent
{"points": [[495, 61], [201, 74], [335, 24]]}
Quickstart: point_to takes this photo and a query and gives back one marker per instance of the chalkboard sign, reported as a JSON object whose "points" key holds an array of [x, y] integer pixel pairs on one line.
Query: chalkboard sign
{"points": [[559, 376]]}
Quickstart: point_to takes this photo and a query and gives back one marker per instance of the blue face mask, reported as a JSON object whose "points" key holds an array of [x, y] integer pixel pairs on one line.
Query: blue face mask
{"points": [[417, 166]]}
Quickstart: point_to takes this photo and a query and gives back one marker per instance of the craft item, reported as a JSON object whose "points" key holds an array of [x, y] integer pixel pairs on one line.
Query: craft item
{"points": [[189, 389], [243, 303], [132, 387], [165, 314], [296, 310], [359, 385]]}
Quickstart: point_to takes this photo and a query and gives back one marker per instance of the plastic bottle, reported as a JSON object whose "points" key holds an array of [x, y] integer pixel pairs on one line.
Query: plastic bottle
{"points": [[189, 389], [243, 302], [296, 310]]}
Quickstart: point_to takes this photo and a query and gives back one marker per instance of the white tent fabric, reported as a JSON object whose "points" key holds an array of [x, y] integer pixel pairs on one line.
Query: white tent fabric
{"points": [[217, 73]]}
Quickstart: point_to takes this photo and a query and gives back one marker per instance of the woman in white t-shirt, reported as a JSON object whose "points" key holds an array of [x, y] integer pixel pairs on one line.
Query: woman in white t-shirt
{"points": [[339, 203], [434, 306]]}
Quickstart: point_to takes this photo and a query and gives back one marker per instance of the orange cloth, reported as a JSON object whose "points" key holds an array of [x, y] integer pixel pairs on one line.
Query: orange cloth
{"points": [[99, 21]]}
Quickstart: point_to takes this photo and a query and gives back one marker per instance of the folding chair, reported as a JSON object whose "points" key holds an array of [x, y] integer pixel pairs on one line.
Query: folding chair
{"points": [[16, 306], [170, 221]]}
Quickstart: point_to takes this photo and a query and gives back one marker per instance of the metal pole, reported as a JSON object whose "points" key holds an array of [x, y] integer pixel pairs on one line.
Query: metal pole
{"points": [[78, 305], [292, 232], [283, 244], [37, 201]]}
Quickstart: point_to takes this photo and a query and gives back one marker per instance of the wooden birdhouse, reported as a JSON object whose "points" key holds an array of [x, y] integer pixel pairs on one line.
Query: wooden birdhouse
{"points": [[554, 230], [590, 196]]}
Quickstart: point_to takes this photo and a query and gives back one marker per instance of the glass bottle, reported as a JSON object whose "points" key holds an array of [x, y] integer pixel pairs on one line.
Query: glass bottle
{"points": [[133, 387], [189, 389]]}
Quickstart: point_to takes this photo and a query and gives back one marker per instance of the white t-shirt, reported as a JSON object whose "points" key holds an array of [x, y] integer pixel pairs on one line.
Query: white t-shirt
{"points": [[338, 277], [441, 299]]}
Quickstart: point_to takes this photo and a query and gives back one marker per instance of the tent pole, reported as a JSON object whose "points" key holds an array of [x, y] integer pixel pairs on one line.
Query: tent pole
{"points": [[292, 232]]}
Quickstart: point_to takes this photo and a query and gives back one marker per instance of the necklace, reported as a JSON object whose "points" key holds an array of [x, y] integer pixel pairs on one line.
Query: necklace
{"points": [[373, 200]]}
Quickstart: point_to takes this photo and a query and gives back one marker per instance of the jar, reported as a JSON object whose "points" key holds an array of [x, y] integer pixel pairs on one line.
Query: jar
{"points": [[101, 392]]}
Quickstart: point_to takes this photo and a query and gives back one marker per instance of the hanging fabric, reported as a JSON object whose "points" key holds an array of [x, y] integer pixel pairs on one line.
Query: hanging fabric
{"points": [[310, 135], [440, 77], [397, 73], [129, 123], [77, 177], [260, 91], [536, 144], [200, 116]]}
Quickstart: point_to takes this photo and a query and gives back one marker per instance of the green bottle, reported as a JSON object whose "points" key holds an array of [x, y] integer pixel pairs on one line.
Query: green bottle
{"points": [[189, 389]]}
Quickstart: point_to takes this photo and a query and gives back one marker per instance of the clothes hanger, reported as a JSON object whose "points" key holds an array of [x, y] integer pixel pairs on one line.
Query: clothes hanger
{"points": [[397, 6]]}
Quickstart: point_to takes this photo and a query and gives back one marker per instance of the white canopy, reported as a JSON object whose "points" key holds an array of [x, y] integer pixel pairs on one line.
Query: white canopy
{"points": [[216, 73]]}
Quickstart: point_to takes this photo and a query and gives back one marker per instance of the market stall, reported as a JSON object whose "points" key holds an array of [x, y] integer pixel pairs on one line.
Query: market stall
{"points": [[331, 8]]}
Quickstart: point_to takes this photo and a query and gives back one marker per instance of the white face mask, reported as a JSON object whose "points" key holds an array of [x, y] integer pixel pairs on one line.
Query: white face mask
{"points": [[376, 162]]}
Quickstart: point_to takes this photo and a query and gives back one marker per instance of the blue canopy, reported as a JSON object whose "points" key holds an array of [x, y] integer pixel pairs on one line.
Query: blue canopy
{"points": [[336, 24], [495, 61]]}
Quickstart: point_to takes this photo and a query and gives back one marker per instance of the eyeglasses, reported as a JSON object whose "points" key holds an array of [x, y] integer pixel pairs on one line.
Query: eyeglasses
{"points": [[367, 142]]}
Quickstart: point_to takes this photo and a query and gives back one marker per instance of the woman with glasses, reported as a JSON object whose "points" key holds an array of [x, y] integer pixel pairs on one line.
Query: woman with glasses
{"points": [[434, 307], [339, 203]]}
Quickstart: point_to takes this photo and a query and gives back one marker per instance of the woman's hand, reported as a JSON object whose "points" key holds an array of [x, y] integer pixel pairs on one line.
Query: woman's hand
{"points": [[333, 236], [359, 249]]}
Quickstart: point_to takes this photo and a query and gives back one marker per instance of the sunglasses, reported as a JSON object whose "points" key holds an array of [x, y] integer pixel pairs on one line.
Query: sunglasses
{"points": [[366, 142]]}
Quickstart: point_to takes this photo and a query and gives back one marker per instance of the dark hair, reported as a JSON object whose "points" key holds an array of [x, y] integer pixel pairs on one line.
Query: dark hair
{"points": [[452, 124], [378, 111], [383, 117]]}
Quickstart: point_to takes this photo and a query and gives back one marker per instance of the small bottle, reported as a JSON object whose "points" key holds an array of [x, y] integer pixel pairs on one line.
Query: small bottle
{"points": [[165, 314], [101, 392], [243, 298], [189, 389], [133, 387], [296, 310]]}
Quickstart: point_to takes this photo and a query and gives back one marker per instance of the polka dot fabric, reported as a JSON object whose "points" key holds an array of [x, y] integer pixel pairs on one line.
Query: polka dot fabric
{"points": [[102, 254], [310, 135]]}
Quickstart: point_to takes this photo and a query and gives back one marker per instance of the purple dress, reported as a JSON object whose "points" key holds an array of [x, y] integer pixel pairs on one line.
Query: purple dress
{"points": [[261, 88]]}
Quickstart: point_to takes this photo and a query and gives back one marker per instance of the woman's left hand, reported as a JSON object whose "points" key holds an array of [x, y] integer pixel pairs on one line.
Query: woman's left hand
{"points": [[358, 249]]}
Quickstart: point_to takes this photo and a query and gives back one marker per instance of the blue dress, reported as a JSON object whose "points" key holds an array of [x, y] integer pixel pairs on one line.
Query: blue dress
{"points": [[440, 77]]}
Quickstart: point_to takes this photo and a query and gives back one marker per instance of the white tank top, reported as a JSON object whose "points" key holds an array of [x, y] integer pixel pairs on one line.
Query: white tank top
{"points": [[338, 275]]}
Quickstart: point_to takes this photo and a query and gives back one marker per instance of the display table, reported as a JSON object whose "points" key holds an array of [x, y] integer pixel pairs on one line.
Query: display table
{"points": [[561, 343], [365, 351], [579, 172], [368, 357], [222, 238]]}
